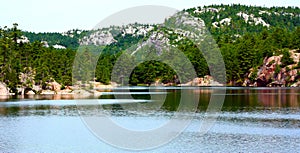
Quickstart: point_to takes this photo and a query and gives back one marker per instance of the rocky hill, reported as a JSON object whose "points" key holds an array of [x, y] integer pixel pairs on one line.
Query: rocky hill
{"points": [[259, 46], [238, 19], [267, 31], [107, 36], [235, 20]]}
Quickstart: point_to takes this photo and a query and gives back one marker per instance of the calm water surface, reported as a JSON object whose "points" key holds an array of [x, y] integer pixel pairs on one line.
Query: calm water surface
{"points": [[251, 120]]}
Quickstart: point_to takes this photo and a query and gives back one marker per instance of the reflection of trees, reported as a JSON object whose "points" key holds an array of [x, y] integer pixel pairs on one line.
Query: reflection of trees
{"points": [[279, 97], [236, 99], [240, 99], [9, 110], [252, 99], [16, 110]]}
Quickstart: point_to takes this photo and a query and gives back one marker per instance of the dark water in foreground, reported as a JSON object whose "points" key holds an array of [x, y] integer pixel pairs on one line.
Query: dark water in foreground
{"points": [[251, 120]]}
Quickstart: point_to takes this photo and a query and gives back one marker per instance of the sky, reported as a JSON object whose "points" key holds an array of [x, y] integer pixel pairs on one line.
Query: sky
{"points": [[64, 15]]}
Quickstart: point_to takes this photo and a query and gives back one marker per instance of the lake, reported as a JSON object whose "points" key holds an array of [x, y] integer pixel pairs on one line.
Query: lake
{"points": [[241, 120]]}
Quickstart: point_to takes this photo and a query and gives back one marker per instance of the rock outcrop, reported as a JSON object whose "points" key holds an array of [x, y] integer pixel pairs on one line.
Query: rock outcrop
{"points": [[105, 36], [203, 81], [4, 91], [30, 93], [27, 79], [273, 74], [54, 86]]}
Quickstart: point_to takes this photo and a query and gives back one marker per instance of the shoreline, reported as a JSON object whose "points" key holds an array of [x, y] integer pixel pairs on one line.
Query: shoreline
{"points": [[98, 91]]}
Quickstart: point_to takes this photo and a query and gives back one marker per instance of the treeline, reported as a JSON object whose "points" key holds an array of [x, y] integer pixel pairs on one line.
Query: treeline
{"points": [[244, 45], [28, 64], [69, 40], [282, 17], [43, 64], [250, 50], [23, 65], [240, 55]]}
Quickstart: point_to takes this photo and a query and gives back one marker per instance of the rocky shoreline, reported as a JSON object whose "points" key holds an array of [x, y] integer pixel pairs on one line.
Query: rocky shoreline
{"points": [[95, 88], [272, 73]]}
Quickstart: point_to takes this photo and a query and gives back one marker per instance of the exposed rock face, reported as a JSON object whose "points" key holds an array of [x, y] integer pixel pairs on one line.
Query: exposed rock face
{"points": [[59, 46], [272, 75], [27, 79], [98, 38], [23, 39], [105, 36], [3, 90], [251, 19]]}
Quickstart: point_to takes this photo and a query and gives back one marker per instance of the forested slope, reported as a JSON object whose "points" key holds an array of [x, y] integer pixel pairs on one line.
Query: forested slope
{"points": [[245, 35]]}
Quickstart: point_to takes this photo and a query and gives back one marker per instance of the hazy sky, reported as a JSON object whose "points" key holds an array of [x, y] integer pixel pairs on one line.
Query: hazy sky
{"points": [[63, 15]]}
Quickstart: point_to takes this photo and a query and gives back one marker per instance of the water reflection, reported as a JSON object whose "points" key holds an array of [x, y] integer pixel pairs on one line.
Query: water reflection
{"points": [[237, 99], [253, 119], [37, 97], [262, 98], [279, 98]]}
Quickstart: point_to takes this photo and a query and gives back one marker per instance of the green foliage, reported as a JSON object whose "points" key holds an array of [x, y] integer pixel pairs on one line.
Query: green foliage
{"points": [[282, 17], [17, 57], [298, 66], [286, 58], [251, 49], [253, 75], [69, 39], [296, 39], [103, 68], [243, 46], [277, 69], [150, 71]]}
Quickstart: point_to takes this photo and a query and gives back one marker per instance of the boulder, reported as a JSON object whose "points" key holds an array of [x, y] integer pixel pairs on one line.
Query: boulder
{"points": [[30, 93], [54, 86], [3, 89], [297, 84], [37, 88]]}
